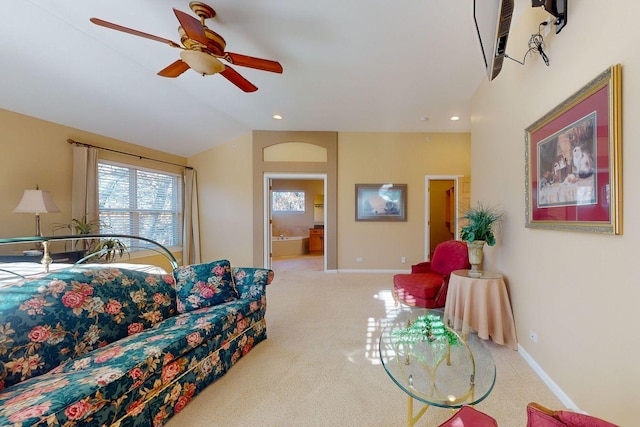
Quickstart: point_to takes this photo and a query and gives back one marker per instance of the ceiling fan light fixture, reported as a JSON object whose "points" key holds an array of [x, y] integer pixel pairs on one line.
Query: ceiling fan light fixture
{"points": [[201, 62]]}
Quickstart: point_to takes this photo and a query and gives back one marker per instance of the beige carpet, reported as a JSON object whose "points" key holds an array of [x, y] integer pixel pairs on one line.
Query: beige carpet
{"points": [[320, 367]]}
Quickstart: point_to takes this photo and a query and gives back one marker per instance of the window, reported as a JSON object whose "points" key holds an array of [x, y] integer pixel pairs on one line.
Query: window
{"points": [[140, 202], [287, 202]]}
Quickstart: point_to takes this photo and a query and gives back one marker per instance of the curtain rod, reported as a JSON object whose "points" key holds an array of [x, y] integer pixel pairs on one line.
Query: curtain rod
{"points": [[71, 141]]}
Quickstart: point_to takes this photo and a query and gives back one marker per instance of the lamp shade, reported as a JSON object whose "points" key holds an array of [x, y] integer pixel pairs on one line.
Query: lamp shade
{"points": [[202, 62], [37, 202]]}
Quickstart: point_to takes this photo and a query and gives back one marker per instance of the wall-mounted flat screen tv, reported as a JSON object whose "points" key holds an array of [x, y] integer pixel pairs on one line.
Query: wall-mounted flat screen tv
{"points": [[493, 21]]}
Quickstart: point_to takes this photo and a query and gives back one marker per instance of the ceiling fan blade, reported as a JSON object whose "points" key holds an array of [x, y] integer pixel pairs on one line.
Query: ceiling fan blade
{"points": [[192, 27], [251, 62], [174, 69], [132, 31], [234, 77]]}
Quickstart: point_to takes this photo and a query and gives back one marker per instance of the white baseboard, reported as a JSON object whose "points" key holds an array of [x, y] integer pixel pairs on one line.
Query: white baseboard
{"points": [[564, 398]]}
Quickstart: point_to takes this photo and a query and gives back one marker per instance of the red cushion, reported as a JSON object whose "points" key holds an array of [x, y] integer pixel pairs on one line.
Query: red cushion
{"points": [[575, 419], [422, 285], [449, 256], [422, 267], [537, 418], [468, 416], [414, 301]]}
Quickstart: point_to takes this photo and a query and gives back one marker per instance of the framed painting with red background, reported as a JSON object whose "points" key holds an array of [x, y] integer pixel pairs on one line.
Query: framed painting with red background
{"points": [[573, 161]]}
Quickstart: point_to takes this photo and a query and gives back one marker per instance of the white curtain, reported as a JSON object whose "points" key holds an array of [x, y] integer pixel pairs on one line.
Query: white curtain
{"points": [[191, 233], [84, 196]]}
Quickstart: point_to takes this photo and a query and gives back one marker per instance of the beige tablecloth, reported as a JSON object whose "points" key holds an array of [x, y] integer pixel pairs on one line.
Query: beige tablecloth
{"points": [[483, 304]]}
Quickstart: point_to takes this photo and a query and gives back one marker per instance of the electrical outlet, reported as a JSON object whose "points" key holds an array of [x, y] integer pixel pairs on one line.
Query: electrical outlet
{"points": [[533, 336], [359, 259], [403, 260]]}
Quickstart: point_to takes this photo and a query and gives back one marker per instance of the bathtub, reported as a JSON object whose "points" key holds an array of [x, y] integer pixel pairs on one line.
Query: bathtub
{"points": [[289, 245]]}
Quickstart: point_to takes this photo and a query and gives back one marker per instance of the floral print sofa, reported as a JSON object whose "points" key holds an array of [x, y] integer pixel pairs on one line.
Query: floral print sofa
{"points": [[109, 346]]}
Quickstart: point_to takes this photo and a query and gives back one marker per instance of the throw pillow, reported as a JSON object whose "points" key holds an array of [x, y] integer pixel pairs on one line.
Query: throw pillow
{"points": [[204, 285]]}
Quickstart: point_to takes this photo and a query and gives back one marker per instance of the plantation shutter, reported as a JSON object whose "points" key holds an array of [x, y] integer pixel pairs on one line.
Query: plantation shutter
{"points": [[140, 202]]}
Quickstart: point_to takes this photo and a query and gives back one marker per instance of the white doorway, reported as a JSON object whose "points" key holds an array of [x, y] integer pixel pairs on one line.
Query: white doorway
{"points": [[268, 216], [441, 211]]}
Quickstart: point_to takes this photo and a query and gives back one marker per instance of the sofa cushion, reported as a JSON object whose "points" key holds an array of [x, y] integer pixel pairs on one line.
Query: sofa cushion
{"points": [[68, 313], [106, 378], [204, 285], [421, 285]]}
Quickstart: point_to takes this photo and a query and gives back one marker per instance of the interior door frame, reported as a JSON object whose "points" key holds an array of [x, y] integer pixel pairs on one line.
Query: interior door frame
{"points": [[268, 178], [427, 208]]}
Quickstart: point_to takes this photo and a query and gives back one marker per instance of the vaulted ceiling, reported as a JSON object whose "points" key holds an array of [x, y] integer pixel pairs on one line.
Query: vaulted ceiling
{"points": [[349, 65]]}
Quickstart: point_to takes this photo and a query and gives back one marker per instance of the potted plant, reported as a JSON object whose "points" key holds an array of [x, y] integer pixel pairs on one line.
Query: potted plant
{"points": [[104, 249], [481, 221], [108, 249]]}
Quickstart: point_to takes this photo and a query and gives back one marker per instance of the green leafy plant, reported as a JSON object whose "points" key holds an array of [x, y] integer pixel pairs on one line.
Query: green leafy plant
{"points": [[104, 249], [79, 226], [481, 222], [108, 249]]}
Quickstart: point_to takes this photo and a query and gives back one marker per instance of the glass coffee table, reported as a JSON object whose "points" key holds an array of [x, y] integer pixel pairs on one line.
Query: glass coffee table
{"points": [[434, 364]]}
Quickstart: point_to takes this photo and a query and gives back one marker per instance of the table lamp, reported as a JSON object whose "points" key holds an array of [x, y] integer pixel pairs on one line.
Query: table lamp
{"points": [[37, 202]]}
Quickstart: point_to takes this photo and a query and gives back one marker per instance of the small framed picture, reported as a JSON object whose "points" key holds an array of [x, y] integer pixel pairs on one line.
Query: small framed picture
{"points": [[381, 202]]}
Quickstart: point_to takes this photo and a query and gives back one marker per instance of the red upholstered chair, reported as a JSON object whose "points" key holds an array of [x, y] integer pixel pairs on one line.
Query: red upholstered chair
{"points": [[539, 416], [470, 417], [428, 282]]}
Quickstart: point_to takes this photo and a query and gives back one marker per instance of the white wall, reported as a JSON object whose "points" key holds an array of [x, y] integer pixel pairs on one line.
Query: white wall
{"points": [[578, 291]]}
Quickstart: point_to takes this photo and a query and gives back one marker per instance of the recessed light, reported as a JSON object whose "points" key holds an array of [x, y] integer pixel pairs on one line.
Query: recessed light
{"points": [[454, 118], [424, 118], [277, 117]]}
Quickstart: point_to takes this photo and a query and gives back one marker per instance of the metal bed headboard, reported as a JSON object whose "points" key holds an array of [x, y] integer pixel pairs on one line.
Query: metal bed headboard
{"points": [[46, 240]]}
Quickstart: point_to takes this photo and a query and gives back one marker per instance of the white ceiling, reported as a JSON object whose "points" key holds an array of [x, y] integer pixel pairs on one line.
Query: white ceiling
{"points": [[349, 65]]}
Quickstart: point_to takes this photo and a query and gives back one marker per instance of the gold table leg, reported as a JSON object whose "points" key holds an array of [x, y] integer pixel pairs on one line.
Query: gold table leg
{"points": [[414, 419]]}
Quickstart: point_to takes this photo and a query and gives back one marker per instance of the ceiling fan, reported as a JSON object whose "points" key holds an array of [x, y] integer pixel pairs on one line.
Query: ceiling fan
{"points": [[202, 49]]}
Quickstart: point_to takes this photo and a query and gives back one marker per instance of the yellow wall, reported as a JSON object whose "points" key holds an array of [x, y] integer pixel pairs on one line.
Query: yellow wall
{"points": [[400, 158], [32, 152], [578, 291], [35, 152], [318, 155], [226, 201], [224, 180]]}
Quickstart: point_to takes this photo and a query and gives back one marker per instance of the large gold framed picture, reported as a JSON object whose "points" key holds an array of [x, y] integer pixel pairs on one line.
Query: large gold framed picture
{"points": [[573, 161]]}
